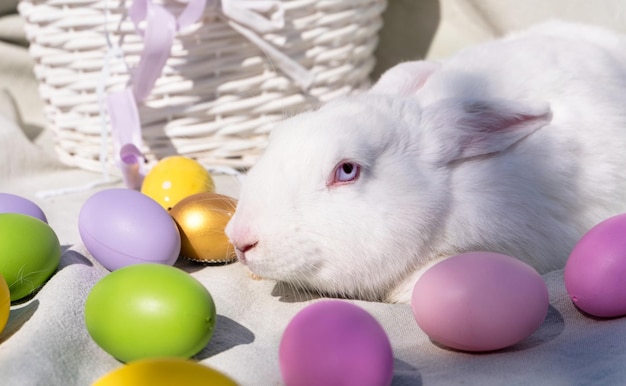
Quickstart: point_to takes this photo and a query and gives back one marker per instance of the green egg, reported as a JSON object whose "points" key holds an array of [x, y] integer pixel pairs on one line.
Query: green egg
{"points": [[29, 253], [150, 310]]}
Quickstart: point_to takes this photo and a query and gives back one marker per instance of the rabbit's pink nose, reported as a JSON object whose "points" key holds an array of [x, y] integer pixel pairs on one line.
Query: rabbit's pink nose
{"points": [[243, 240], [242, 249], [246, 247]]}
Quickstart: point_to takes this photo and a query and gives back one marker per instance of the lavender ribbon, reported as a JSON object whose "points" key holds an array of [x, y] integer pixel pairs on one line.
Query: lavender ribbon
{"points": [[158, 35], [161, 27]]}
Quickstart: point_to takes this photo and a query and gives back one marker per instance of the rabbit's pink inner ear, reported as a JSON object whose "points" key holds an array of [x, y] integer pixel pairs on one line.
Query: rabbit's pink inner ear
{"points": [[495, 125], [456, 128], [405, 78]]}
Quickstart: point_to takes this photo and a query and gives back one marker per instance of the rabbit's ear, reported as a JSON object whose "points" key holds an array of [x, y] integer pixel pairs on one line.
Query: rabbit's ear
{"points": [[405, 78], [456, 129]]}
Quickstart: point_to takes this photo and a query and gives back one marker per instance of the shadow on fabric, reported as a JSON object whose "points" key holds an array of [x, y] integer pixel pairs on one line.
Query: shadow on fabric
{"points": [[227, 334], [17, 318]]}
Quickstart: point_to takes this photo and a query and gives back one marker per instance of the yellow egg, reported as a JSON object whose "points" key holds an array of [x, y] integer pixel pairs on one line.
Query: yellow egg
{"points": [[174, 178], [164, 372], [5, 303], [201, 220]]}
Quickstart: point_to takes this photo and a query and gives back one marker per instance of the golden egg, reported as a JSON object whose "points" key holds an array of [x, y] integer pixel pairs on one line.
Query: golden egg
{"points": [[5, 303], [174, 178], [201, 219]]}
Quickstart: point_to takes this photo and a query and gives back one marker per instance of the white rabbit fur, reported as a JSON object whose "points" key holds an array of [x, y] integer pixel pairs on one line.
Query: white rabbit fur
{"points": [[516, 146]]}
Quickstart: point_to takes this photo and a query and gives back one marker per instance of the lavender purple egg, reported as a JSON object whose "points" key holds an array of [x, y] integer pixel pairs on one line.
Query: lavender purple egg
{"points": [[11, 203], [120, 227]]}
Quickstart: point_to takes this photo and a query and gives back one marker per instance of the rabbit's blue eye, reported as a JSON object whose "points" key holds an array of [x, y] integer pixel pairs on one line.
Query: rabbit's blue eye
{"points": [[345, 172]]}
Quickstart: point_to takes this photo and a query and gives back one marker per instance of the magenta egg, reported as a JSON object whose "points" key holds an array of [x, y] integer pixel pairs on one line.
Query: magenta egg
{"points": [[120, 227], [480, 301], [595, 273], [334, 342]]}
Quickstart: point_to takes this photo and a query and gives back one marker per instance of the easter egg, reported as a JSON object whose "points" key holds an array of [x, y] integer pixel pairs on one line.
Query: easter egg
{"points": [[120, 227], [334, 342], [201, 219], [480, 301], [29, 253], [164, 372], [595, 272], [5, 303], [174, 178], [148, 311], [11, 203]]}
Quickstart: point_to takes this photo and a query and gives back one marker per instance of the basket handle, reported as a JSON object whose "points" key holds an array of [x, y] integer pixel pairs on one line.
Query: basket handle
{"points": [[242, 18]]}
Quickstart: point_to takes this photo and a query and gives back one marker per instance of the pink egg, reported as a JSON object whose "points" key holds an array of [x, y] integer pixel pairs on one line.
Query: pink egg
{"points": [[595, 273], [480, 301], [334, 342]]}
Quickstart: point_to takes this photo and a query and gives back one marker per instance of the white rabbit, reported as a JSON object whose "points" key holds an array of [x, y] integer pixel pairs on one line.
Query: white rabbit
{"points": [[515, 146]]}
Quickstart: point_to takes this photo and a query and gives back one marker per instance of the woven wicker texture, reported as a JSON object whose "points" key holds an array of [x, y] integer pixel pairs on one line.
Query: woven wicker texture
{"points": [[218, 95]]}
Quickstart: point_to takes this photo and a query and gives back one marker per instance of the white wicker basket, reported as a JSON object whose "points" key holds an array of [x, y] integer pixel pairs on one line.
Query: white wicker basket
{"points": [[218, 95]]}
